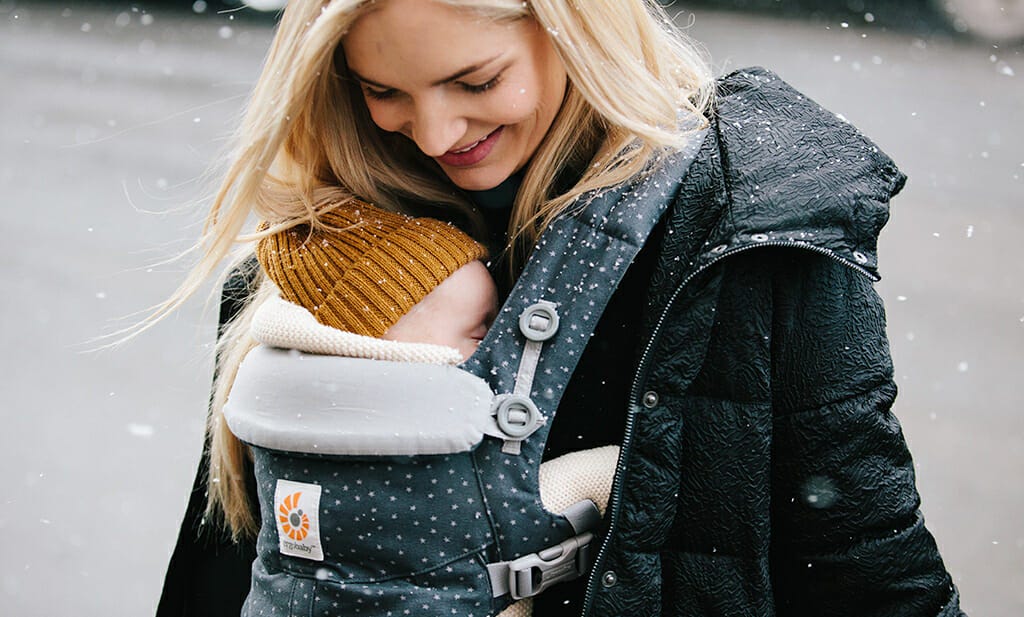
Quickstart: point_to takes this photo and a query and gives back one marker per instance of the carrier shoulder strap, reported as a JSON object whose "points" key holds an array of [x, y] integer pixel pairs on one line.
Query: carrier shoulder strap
{"points": [[531, 351]]}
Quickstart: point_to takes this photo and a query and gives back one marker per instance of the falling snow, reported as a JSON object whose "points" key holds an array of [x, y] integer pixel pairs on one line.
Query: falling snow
{"points": [[140, 430]]}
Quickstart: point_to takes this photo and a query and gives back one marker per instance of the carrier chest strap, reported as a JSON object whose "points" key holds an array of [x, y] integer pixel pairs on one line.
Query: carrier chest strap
{"points": [[516, 414]]}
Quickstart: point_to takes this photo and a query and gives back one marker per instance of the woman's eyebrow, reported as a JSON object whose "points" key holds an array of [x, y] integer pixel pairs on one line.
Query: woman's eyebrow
{"points": [[454, 76], [367, 81], [466, 71]]}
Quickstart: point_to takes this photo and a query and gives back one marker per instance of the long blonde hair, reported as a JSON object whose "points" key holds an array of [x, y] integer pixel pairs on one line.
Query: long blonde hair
{"points": [[307, 143]]}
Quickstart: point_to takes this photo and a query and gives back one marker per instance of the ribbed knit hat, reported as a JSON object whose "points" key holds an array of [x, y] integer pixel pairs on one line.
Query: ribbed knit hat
{"points": [[363, 267]]}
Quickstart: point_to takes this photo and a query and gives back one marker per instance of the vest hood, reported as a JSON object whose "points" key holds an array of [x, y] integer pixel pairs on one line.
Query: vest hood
{"points": [[797, 174]]}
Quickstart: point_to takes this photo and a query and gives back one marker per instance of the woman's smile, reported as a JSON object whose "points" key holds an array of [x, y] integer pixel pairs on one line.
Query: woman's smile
{"points": [[473, 153]]}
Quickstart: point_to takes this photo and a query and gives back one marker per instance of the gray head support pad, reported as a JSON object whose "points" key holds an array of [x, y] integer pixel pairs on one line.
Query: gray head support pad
{"points": [[313, 404]]}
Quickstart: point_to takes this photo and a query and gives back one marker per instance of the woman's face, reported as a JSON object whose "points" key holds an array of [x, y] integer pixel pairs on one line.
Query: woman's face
{"points": [[475, 95]]}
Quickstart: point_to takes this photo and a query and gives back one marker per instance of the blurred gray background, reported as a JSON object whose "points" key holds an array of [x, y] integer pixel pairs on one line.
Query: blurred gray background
{"points": [[111, 114]]}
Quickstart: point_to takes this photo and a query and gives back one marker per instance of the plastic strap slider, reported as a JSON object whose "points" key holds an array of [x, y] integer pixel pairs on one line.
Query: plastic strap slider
{"points": [[531, 574]]}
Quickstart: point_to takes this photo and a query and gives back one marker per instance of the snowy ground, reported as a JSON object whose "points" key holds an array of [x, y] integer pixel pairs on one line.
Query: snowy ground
{"points": [[110, 117]]}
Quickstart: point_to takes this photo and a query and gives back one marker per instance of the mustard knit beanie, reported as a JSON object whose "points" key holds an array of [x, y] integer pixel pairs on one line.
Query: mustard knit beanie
{"points": [[363, 268]]}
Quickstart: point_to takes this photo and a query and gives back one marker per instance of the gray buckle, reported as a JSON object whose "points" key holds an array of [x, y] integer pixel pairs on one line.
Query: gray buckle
{"points": [[531, 574], [517, 416], [539, 322]]}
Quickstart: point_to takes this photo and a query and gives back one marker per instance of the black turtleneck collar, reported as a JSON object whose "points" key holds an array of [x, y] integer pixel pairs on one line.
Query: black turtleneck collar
{"points": [[496, 208], [499, 197]]}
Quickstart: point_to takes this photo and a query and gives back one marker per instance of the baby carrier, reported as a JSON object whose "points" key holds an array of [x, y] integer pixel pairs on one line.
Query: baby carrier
{"points": [[419, 495]]}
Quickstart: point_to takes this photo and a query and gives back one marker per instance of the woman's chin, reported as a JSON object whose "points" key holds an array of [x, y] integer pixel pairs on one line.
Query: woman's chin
{"points": [[469, 179]]}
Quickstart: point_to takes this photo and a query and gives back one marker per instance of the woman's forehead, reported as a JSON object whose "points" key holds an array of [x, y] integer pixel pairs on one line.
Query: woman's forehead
{"points": [[428, 39]]}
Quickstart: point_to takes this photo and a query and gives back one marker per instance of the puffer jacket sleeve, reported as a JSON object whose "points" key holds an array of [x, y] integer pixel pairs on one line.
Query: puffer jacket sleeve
{"points": [[848, 536], [208, 574]]}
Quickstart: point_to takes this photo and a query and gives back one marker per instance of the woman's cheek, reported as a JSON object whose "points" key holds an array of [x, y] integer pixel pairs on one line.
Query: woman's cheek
{"points": [[519, 103], [382, 114]]}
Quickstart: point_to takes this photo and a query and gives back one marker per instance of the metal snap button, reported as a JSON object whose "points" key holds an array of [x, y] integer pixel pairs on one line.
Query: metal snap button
{"points": [[609, 578], [650, 399], [759, 237], [539, 322], [719, 249], [860, 257]]}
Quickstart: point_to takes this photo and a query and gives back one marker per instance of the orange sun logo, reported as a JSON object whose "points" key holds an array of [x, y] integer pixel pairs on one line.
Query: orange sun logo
{"points": [[294, 522]]}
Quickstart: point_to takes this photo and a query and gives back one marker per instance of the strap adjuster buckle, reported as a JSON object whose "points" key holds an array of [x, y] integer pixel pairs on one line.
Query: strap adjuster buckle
{"points": [[531, 574]]}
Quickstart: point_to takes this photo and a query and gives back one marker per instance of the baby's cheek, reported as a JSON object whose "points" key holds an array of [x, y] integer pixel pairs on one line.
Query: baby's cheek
{"points": [[479, 331], [468, 347]]}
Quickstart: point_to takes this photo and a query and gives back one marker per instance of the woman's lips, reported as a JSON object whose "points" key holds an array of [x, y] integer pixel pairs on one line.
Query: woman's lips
{"points": [[473, 154]]}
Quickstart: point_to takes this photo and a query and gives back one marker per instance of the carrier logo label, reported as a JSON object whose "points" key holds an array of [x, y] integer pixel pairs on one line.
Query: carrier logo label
{"points": [[294, 522], [297, 509]]}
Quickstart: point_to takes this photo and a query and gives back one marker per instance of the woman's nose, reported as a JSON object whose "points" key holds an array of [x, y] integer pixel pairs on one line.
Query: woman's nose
{"points": [[436, 127]]}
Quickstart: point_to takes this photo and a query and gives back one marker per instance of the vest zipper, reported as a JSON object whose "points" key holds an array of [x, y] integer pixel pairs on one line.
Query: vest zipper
{"points": [[614, 500]]}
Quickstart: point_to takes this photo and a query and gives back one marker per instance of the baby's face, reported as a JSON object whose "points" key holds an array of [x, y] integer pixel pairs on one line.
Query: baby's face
{"points": [[456, 313]]}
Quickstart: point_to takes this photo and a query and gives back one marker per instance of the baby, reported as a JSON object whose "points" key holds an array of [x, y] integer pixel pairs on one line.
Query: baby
{"points": [[366, 283], [384, 275]]}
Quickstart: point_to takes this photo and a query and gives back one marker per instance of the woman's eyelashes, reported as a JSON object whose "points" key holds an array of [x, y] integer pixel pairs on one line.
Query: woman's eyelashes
{"points": [[389, 93], [379, 95], [484, 87]]}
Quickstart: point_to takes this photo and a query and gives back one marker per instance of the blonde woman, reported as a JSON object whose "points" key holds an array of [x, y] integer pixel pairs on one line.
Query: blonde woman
{"points": [[741, 363]]}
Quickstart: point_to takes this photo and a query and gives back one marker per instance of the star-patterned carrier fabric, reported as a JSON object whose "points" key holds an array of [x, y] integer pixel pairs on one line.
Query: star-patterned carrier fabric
{"points": [[404, 488]]}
